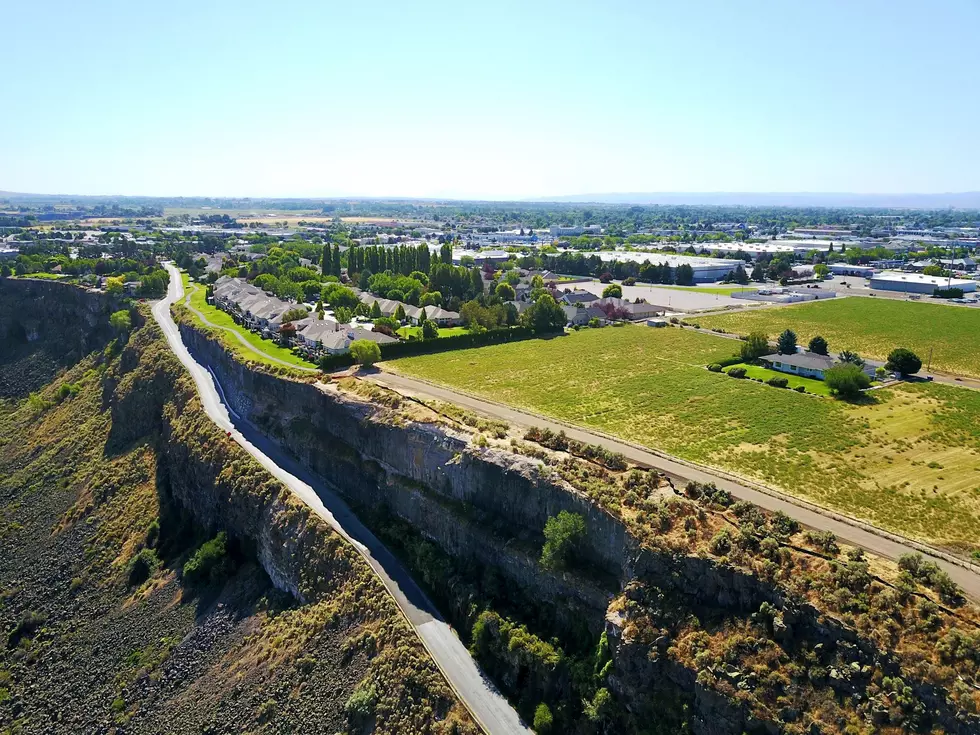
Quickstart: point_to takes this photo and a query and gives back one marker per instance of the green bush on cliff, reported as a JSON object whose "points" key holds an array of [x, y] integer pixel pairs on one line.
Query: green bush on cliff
{"points": [[543, 721], [563, 535], [210, 563]]}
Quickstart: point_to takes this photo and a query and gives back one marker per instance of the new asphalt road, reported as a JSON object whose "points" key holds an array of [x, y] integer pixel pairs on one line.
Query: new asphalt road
{"points": [[487, 705]]}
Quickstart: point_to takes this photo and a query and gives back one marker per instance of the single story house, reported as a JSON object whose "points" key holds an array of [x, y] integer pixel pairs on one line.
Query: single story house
{"points": [[436, 314], [806, 364], [338, 343], [582, 315], [578, 297]]}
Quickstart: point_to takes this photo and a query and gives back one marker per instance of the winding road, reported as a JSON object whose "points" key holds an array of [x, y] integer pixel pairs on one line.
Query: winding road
{"points": [[488, 707], [851, 530]]}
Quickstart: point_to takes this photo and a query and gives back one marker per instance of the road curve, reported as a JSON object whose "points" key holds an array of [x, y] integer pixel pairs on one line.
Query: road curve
{"points": [[681, 472], [489, 708]]}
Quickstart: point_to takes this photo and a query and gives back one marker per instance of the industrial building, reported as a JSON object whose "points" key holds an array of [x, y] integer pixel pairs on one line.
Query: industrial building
{"points": [[706, 270], [918, 283]]}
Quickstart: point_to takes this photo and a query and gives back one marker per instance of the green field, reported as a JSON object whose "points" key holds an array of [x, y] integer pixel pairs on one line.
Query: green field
{"points": [[811, 385], [872, 327], [909, 462], [262, 350]]}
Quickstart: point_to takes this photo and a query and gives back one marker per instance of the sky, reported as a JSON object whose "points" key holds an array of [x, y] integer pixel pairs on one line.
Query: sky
{"points": [[496, 100]]}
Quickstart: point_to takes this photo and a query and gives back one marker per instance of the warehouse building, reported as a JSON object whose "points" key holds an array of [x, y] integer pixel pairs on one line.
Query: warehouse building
{"points": [[918, 283]]}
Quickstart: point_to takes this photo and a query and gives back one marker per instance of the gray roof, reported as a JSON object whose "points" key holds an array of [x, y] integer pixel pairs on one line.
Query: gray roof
{"points": [[809, 360]]}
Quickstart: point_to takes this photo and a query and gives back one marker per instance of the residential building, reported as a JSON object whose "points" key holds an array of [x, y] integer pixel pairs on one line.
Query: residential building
{"points": [[578, 297], [636, 310], [807, 364]]}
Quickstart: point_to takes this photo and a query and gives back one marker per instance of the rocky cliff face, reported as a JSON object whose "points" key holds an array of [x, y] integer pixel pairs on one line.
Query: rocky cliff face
{"points": [[490, 505], [47, 326]]}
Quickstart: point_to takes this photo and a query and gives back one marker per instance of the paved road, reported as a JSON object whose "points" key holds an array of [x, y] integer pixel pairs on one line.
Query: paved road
{"points": [[488, 706], [680, 472]]}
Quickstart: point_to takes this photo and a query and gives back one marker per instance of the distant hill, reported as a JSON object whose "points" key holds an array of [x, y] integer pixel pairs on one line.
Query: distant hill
{"points": [[961, 200]]}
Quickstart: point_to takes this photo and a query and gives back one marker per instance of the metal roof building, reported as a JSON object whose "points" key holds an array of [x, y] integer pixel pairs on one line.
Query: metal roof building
{"points": [[918, 283]]}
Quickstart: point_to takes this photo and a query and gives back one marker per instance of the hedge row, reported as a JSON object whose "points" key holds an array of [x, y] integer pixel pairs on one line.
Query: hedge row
{"points": [[442, 344]]}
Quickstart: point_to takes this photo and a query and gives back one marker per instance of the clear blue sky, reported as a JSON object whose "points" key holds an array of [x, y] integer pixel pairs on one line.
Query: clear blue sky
{"points": [[498, 100]]}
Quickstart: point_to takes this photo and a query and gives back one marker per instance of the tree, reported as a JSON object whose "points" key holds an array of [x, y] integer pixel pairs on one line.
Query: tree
{"points": [[851, 357], [563, 535], [846, 380], [545, 315], [4, 271], [820, 270], [684, 275], [759, 273], [612, 291], [755, 346], [505, 292], [365, 352], [903, 361], [114, 285], [818, 345], [121, 321], [430, 330], [786, 342], [400, 313], [376, 311]]}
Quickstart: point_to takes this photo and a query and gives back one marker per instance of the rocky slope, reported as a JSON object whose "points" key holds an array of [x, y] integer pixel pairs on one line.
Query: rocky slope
{"points": [[154, 579]]}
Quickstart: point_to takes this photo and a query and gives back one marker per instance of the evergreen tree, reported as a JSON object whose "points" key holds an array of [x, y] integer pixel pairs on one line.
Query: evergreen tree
{"points": [[375, 311], [326, 262], [786, 343], [336, 261]]}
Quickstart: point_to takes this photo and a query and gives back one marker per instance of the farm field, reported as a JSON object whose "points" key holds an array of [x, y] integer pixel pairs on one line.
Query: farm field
{"points": [[909, 462], [871, 327], [263, 348]]}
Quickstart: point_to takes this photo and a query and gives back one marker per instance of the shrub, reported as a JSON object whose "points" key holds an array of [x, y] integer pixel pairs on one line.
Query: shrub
{"points": [[67, 390], [777, 382], [714, 367], [26, 628], [543, 721], [800, 389], [563, 535], [142, 566], [360, 706], [736, 372], [121, 321], [755, 346], [846, 380], [826, 541], [211, 562], [721, 544]]}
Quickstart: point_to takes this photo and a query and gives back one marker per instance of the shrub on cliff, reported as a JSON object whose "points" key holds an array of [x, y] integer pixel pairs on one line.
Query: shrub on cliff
{"points": [[563, 535], [543, 721], [210, 563], [142, 566]]}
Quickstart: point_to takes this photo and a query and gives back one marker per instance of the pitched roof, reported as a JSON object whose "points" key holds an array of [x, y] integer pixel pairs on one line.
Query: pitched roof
{"points": [[810, 360]]}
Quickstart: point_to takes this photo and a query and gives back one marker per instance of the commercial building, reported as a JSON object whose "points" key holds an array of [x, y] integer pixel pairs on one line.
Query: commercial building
{"points": [[918, 283], [845, 269], [571, 231]]}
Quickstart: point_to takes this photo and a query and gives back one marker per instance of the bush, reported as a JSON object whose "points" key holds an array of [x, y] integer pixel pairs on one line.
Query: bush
{"points": [[210, 563], [736, 372], [777, 382], [543, 721], [142, 567], [826, 541], [800, 389], [121, 321], [360, 706], [67, 390], [563, 535], [714, 367], [846, 380]]}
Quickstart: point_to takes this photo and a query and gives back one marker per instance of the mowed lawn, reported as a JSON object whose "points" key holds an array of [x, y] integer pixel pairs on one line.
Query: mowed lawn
{"points": [[872, 327], [910, 462], [262, 348]]}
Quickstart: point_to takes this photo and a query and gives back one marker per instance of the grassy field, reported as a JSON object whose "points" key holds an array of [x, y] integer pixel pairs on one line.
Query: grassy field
{"points": [[872, 327], [407, 332], [909, 462], [263, 348], [817, 387]]}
